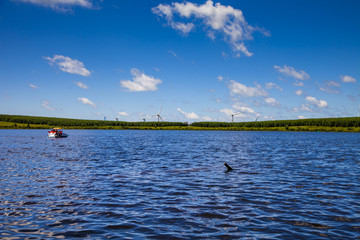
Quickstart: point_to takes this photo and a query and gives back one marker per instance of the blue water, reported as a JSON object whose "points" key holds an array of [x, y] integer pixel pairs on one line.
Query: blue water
{"points": [[101, 184]]}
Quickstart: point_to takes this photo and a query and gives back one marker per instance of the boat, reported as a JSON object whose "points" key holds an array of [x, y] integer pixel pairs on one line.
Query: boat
{"points": [[57, 133]]}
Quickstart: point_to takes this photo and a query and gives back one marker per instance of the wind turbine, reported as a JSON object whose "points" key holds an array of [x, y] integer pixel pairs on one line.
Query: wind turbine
{"points": [[142, 117], [234, 114], [158, 115]]}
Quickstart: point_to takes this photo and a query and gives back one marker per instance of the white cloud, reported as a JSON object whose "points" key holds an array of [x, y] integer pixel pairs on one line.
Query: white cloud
{"points": [[291, 72], [269, 117], [81, 85], [191, 115], [347, 79], [33, 86], [87, 102], [242, 90], [303, 108], [299, 92], [271, 85], [333, 84], [316, 102], [271, 101], [241, 111], [227, 111], [69, 65], [217, 19], [207, 119], [230, 113], [140, 82], [60, 5], [172, 53], [298, 83], [301, 117], [220, 78], [330, 87], [46, 104], [124, 114]]}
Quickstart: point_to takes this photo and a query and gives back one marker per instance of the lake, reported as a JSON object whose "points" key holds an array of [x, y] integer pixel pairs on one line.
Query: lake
{"points": [[101, 184]]}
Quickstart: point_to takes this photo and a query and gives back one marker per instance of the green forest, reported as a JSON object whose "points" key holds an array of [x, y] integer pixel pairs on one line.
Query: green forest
{"points": [[82, 124], [348, 124], [324, 122]]}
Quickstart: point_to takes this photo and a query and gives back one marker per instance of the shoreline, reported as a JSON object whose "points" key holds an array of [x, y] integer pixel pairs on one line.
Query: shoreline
{"points": [[346, 124], [10, 125]]}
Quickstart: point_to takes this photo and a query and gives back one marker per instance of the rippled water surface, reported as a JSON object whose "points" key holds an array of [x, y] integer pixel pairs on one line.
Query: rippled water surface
{"points": [[173, 185]]}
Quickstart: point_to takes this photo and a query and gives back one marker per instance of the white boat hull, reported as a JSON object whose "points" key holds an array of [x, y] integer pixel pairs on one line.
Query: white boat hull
{"points": [[56, 135]]}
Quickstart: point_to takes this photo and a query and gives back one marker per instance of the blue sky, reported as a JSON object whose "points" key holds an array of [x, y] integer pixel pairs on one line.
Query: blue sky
{"points": [[195, 60]]}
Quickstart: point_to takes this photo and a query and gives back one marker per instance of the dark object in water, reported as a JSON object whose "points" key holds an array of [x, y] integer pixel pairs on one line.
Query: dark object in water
{"points": [[228, 167]]}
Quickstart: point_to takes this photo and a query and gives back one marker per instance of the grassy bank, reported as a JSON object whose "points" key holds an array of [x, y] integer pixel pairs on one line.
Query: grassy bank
{"points": [[304, 125]]}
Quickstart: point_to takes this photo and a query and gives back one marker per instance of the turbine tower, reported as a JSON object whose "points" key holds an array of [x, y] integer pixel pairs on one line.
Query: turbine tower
{"points": [[159, 116], [234, 114]]}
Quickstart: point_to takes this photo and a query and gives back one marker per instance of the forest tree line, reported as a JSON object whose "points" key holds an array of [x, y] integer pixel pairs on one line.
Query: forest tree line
{"points": [[323, 122], [66, 122], [346, 122]]}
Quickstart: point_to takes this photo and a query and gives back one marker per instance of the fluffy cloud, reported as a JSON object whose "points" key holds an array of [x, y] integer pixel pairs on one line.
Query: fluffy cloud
{"points": [[271, 85], [298, 83], [330, 87], [46, 104], [81, 85], [60, 5], [207, 119], [291, 72], [191, 115], [69, 65], [271, 101], [303, 108], [140, 82], [332, 84], [241, 111], [33, 86], [312, 105], [218, 19], [347, 79], [316, 102], [124, 114], [227, 111], [87, 102], [230, 113], [299, 92], [172, 53], [245, 91]]}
